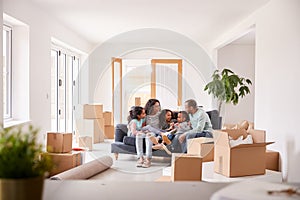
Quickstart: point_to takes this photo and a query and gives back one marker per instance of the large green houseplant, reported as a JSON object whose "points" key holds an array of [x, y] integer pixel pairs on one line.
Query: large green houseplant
{"points": [[228, 87], [22, 169]]}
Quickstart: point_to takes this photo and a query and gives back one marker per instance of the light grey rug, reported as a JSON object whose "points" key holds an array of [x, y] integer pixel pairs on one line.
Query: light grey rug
{"points": [[124, 169]]}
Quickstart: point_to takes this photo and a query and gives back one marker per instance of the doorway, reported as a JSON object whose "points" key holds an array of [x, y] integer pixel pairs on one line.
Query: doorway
{"points": [[64, 72], [134, 81]]}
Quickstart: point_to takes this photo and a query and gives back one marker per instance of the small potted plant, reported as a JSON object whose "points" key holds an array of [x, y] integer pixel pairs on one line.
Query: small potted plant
{"points": [[228, 87], [22, 168]]}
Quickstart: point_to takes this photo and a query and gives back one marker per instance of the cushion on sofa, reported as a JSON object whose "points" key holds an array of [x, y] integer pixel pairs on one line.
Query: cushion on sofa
{"points": [[129, 140], [120, 132]]}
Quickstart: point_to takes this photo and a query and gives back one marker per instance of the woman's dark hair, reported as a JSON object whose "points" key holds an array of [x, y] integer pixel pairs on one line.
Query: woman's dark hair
{"points": [[162, 119], [149, 105], [185, 115], [134, 112]]}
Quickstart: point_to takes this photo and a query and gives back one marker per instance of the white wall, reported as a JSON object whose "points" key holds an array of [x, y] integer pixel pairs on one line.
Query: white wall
{"points": [[41, 28], [193, 82], [277, 72], [277, 80], [1, 64], [241, 59], [149, 43], [20, 73]]}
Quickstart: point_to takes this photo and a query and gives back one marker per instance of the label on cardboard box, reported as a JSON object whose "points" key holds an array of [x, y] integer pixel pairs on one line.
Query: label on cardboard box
{"points": [[59, 142]]}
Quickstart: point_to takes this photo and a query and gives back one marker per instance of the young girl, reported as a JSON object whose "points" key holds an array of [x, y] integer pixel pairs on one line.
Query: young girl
{"points": [[138, 115], [164, 125]]}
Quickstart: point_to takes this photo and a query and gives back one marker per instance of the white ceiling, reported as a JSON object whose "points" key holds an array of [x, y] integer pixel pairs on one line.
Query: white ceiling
{"points": [[201, 20]]}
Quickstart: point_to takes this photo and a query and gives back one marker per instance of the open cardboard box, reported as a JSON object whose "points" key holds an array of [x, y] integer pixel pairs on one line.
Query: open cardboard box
{"points": [[241, 160], [201, 146]]}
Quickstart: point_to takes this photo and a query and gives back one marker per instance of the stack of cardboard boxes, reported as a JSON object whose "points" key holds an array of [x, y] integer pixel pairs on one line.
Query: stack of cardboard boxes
{"points": [[90, 129], [59, 149], [95, 126]]}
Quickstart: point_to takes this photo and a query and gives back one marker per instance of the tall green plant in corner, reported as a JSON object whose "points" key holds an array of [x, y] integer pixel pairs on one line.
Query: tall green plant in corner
{"points": [[228, 87]]}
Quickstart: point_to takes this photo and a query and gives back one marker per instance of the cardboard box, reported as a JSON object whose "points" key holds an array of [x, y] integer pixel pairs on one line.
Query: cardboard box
{"points": [[64, 161], [108, 118], [203, 147], [109, 132], [92, 111], [272, 160], [86, 142], [99, 129], [186, 167], [91, 127], [241, 160], [59, 142], [138, 101]]}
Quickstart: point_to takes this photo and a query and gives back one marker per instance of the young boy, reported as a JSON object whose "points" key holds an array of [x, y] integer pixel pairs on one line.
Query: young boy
{"points": [[180, 127]]}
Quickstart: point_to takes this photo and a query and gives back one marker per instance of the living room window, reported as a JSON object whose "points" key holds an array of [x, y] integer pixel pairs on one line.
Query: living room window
{"points": [[7, 75], [15, 71]]}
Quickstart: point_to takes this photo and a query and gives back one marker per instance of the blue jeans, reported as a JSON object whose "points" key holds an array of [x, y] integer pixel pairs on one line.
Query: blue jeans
{"points": [[194, 135], [139, 144]]}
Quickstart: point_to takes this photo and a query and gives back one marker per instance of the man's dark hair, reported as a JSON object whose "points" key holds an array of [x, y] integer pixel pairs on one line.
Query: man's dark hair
{"points": [[149, 105], [191, 103], [185, 115]]}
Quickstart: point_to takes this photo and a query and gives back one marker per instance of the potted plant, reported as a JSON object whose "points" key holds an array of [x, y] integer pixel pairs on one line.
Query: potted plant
{"points": [[228, 87], [22, 169]]}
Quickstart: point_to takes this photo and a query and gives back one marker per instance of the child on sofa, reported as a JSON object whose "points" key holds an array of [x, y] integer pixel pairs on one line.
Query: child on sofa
{"points": [[165, 124], [137, 115], [183, 124], [180, 127]]}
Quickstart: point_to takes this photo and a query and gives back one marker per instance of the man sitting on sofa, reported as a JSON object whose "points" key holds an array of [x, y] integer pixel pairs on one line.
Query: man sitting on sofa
{"points": [[201, 124]]}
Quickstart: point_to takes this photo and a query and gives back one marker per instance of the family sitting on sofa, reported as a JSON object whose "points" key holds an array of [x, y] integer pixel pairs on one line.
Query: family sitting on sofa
{"points": [[158, 129]]}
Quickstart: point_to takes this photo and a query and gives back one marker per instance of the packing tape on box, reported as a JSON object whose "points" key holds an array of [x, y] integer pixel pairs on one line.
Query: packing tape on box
{"points": [[86, 170]]}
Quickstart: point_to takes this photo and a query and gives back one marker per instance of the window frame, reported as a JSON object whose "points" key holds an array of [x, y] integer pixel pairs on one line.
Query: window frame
{"points": [[7, 111]]}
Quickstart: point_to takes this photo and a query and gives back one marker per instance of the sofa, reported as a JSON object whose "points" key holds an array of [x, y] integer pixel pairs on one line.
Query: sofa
{"points": [[126, 144]]}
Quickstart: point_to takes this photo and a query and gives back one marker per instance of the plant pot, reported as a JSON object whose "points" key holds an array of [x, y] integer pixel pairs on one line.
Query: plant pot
{"points": [[21, 189]]}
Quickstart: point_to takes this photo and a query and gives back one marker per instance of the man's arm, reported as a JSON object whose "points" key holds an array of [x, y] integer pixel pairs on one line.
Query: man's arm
{"points": [[198, 129], [200, 125]]}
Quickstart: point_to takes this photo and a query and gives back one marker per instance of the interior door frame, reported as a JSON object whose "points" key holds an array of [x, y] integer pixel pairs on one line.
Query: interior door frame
{"points": [[113, 61], [154, 62]]}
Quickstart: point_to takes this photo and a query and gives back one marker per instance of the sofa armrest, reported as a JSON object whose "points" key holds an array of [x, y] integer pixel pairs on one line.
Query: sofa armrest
{"points": [[215, 119], [120, 132]]}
